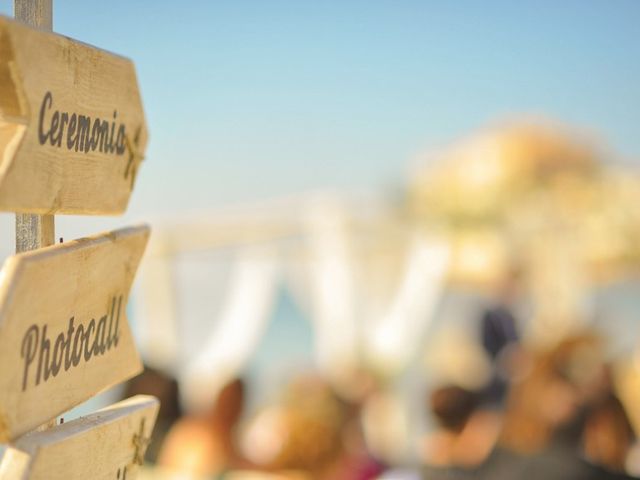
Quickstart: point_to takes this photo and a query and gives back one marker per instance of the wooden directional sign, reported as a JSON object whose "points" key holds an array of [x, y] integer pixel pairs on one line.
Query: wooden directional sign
{"points": [[108, 444], [72, 128], [64, 334]]}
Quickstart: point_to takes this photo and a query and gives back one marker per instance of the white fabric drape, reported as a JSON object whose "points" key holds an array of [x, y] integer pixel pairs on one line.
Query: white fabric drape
{"points": [[245, 312], [363, 316], [394, 338]]}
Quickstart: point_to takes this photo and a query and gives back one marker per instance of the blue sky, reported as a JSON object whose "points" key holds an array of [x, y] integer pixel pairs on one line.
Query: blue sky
{"points": [[248, 100]]}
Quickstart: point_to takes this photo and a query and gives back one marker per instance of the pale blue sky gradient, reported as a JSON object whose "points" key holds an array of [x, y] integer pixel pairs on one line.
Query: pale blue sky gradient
{"points": [[248, 100]]}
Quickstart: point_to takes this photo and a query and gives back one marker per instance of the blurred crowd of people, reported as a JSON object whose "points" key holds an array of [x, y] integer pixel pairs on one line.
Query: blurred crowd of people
{"points": [[545, 413], [534, 214]]}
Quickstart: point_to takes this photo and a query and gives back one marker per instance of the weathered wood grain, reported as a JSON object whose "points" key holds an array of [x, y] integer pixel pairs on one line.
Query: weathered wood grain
{"points": [[72, 127], [37, 13], [34, 231], [64, 334]]}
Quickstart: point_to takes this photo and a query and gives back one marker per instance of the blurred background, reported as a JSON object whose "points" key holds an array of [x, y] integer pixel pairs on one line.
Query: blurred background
{"points": [[390, 239]]}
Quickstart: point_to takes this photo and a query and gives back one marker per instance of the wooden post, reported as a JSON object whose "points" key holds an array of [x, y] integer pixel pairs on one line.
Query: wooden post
{"points": [[36, 13], [34, 231]]}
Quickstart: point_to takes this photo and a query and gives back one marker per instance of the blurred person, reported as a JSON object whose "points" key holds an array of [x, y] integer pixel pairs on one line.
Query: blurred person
{"points": [[465, 434], [547, 412], [551, 394], [202, 445], [499, 336], [299, 434], [312, 431], [358, 460], [608, 435]]}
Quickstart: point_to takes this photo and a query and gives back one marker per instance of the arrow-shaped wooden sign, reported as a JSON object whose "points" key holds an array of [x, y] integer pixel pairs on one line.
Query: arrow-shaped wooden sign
{"points": [[72, 128], [108, 444], [64, 334]]}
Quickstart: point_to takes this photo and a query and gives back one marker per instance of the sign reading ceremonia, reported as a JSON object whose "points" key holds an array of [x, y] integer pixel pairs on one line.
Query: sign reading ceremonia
{"points": [[72, 127]]}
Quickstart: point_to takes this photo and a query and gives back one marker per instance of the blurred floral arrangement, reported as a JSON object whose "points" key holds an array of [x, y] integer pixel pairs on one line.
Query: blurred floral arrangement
{"points": [[509, 193]]}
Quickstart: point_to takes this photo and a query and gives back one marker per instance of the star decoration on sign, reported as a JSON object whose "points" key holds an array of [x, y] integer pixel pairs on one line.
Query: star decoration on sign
{"points": [[134, 158], [140, 442]]}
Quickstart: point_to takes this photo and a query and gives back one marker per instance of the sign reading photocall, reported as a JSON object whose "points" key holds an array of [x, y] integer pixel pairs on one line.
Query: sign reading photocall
{"points": [[72, 127], [64, 334]]}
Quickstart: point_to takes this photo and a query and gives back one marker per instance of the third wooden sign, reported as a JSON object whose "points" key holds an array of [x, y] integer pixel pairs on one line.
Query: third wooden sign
{"points": [[109, 444]]}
